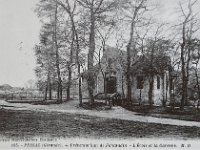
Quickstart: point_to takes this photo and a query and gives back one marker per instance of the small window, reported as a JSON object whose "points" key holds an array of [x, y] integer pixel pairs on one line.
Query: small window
{"points": [[158, 82], [140, 82]]}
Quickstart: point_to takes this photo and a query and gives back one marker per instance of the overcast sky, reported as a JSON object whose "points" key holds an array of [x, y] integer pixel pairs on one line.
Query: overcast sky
{"points": [[19, 32]]}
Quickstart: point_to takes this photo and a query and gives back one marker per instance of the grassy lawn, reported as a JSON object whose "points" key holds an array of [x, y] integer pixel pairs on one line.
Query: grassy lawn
{"points": [[33, 101], [32, 123], [189, 113]]}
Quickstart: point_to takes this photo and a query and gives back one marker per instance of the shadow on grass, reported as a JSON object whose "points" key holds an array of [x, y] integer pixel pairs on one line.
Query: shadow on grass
{"points": [[30, 123], [188, 113], [96, 106], [34, 102]]}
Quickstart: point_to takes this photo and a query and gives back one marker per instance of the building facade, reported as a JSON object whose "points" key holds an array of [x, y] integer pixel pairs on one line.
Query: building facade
{"points": [[110, 77]]}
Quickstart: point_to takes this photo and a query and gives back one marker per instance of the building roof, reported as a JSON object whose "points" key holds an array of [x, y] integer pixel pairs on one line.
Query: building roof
{"points": [[141, 63], [146, 64], [110, 55]]}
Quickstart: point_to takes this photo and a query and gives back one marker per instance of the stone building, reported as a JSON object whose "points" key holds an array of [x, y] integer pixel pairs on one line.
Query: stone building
{"points": [[110, 77]]}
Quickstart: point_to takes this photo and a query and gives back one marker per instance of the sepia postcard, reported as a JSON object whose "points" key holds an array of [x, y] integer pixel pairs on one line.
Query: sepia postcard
{"points": [[99, 74]]}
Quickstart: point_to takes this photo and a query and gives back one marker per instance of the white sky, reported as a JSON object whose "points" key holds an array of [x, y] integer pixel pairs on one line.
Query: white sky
{"points": [[18, 23], [19, 32]]}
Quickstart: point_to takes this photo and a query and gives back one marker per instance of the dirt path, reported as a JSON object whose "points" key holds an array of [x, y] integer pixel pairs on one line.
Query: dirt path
{"points": [[115, 113]]}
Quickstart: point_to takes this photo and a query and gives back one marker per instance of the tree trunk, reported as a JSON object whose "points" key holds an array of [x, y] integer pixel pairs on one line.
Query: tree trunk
{"points": [[140, 99], [197, 79], [71, 15], [79, 86], [68, 93], [69, 80], [57, 59], [166, 88], [50, 92], [49, 86], [78, 62], [151, 88], [77, 59], [187, 75], [123, 94], [163, 90], [151, 75], [129, 46], [90, 58], [45, 94], [128, 73], [69, 66], [183, 75]]}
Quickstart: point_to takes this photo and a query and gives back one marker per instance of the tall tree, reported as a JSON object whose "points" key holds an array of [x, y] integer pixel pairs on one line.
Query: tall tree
{"points": [[95, 11], [154, 43], [195, 59], [44, 70], [187, 31], [133, 11], [47, 10], [55, 41], [71, 10]]}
